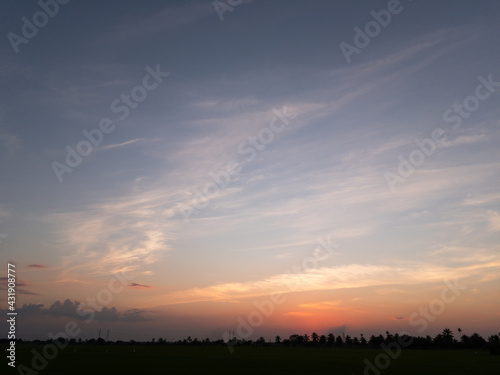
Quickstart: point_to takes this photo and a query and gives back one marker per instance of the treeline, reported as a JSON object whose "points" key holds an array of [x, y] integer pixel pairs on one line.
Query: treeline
{"points": [[444, 340]]}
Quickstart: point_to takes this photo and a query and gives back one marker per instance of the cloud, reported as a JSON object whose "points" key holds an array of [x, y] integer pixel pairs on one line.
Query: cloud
{"points": [[390, 146], [481, 200], [462, 140], [19, 283], [68, 309], [11, 143], [338, 330], [123, 234], [386, 291], [138, 286], [337, 305], [27, 292], [31, 309], [283, 255], [399, 318], [167, 19], [324, 305], [118, 145], [494, 220], [331, 278], [134, 315], [299, 313], [4, 214], [37, 266]]}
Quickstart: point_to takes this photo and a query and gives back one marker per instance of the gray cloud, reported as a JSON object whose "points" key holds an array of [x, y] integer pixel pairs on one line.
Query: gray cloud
{"points": [[69, 309], [138, 286], [19, 283]]}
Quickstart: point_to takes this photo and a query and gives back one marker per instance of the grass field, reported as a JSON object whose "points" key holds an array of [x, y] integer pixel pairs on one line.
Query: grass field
{"points": [[142, 359]]}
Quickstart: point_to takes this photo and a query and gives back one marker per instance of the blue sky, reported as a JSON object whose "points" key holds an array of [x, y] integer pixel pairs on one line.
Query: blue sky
{"points": [[347, 126]]}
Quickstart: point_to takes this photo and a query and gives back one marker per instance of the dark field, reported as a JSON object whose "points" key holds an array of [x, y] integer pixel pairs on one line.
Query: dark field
{"points": [[145, 359]]}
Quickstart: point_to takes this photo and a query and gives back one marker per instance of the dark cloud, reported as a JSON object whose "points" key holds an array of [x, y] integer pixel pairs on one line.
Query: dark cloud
{"points": [[19, 283], [31, 309], [135, 315], [398, 317], [4, 281], [69, 309], [107, 315], [37, 266], [27, 292], [138, 286], [338, 330]]}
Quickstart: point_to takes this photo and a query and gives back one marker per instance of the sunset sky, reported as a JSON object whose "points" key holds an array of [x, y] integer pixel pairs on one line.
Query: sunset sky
{"points": [[192, 166]]}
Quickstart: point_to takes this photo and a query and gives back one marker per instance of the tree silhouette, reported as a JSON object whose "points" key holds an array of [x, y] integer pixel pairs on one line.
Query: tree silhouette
{"points": [[314, 338], [330, 339], [388, 337], [348, 341], [363, 340], [476, 341], [339, 341], [447, 337], [465, 341], [322, 340], [444, 340], [494, 344]]}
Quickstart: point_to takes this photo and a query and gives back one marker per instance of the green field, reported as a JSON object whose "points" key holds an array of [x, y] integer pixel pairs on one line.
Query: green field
{"points": [[146, 359]]}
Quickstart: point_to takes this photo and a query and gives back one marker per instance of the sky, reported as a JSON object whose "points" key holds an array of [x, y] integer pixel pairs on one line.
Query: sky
{"points": [[255, 167]]}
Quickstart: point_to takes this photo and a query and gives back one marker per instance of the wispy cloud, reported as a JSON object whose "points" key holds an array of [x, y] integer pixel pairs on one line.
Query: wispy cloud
{"points": [[323, 305], [494, 219], [37, 266], [298, 313], [20, 287], [481, 200], [462, 140], [4, 214], [347, 276], [117, 145], [138, 286], [171, 17], [120, 235], [11, 143]]}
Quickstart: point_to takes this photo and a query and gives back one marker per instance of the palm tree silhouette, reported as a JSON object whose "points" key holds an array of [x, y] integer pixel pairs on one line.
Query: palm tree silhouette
{"points": [[447, 337], [447, 333]]}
